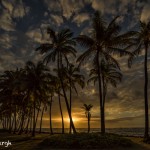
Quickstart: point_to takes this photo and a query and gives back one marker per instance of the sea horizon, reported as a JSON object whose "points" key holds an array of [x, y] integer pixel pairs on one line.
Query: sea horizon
{"points": [[136, 131]]}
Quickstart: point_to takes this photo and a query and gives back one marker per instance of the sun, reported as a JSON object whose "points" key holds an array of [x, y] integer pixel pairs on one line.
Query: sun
{"points": [[75, 119]]}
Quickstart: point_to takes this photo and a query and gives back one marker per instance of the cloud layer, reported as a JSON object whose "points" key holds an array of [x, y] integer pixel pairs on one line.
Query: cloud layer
{"points": [[23, 27]]}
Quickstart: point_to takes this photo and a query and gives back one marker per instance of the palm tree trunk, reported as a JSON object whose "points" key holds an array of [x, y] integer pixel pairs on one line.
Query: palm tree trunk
{"points": [[4, 122], [22, 122], [18, 124], [146, 134], [13, 120], [50, 116], [65, 97], [10, 116], [103, 104], [88, 122], [15, 126], [100, 96], [31, 120], [41, 119], [27, 127], [62, 118], [8, 123], [37, 114], [34, 119], [68, 108], [70, 104]]}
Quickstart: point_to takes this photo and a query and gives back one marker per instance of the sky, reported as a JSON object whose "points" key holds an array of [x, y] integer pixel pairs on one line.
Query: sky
{"points": [[23, 25]]}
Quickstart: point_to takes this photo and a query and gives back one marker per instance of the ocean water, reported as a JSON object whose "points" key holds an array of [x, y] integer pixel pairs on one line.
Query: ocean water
{"points": [[139, 132]]}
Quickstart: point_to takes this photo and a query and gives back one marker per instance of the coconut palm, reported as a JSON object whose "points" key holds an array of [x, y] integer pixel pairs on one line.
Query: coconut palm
{"points": [[10, 84], [87, 109], [36, 84], [110, 75], [104, 42], [57, 84], [41, 120], [142, 42], [74, 77], [62, 44]]}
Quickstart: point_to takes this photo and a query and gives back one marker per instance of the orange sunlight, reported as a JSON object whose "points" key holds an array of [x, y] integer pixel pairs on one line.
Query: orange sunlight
{"points": [[75, 119]]}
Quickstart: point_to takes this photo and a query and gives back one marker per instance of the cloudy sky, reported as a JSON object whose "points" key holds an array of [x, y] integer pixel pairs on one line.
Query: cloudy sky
{"points": [[23, 26]]}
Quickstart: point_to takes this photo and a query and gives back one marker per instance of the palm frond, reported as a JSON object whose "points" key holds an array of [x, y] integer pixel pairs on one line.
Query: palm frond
{"points": [[44, 48], [84, 41], [52, 34]]}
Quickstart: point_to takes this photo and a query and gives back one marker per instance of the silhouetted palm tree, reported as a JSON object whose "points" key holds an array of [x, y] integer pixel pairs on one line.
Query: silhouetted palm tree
{"points": [[10, 88], [142, 42], [104, 42], [87, 109], [61, 46], [57, 84], [41, 120], [110, 75], [36, 78], [74, 77]]}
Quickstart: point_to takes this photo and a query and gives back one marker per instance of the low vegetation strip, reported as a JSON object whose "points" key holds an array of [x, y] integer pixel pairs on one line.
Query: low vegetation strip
{"points": [[86, 141]]}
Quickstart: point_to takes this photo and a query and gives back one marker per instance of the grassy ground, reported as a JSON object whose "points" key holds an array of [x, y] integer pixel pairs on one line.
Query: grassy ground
{"points": [[47, 142]]}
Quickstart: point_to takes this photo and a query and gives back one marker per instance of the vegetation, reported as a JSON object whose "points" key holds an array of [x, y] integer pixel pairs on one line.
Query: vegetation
{"points": [[105, 41], [62, 45], [27, 91], [87, 109], [141, 41], [86, 141]]}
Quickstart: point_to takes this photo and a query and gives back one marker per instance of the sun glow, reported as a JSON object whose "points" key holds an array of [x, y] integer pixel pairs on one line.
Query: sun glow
{"points": [[93, 91], [75, 119]]}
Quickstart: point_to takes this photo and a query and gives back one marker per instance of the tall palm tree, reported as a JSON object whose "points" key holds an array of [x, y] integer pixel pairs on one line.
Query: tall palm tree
{"points": [[87, 109], [74, 77], [57, 85], [104, 42], [142, 42], [41, 120], [36, 83], [110, 75], [62, 44], [10, 84]]}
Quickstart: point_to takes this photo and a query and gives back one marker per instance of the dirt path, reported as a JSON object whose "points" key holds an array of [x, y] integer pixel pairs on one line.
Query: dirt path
{"points": [[139, 141]]}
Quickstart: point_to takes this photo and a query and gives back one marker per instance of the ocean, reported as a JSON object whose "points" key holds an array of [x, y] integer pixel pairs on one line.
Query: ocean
{"points": [[139, 132]]}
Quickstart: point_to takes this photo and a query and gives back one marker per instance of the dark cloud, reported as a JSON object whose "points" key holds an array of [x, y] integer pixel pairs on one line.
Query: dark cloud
{"points": [[23, 27]]}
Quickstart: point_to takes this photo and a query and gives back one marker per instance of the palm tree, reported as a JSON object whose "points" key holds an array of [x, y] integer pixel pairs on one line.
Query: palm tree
{"points": [[50, 102], [57, 85], [12, 96], [110, 75], [73, 76], [104, 42], [87, 109], [61, 46], [36, 83], [10, 84], [142, 41], [41, 120]]}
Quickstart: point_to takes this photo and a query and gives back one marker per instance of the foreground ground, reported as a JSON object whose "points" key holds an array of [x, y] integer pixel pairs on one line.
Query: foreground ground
{"points": [[41, 142]]}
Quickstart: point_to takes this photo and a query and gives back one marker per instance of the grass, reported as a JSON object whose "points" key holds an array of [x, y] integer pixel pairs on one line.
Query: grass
{"points": [[86, 141], [72, 141]]}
